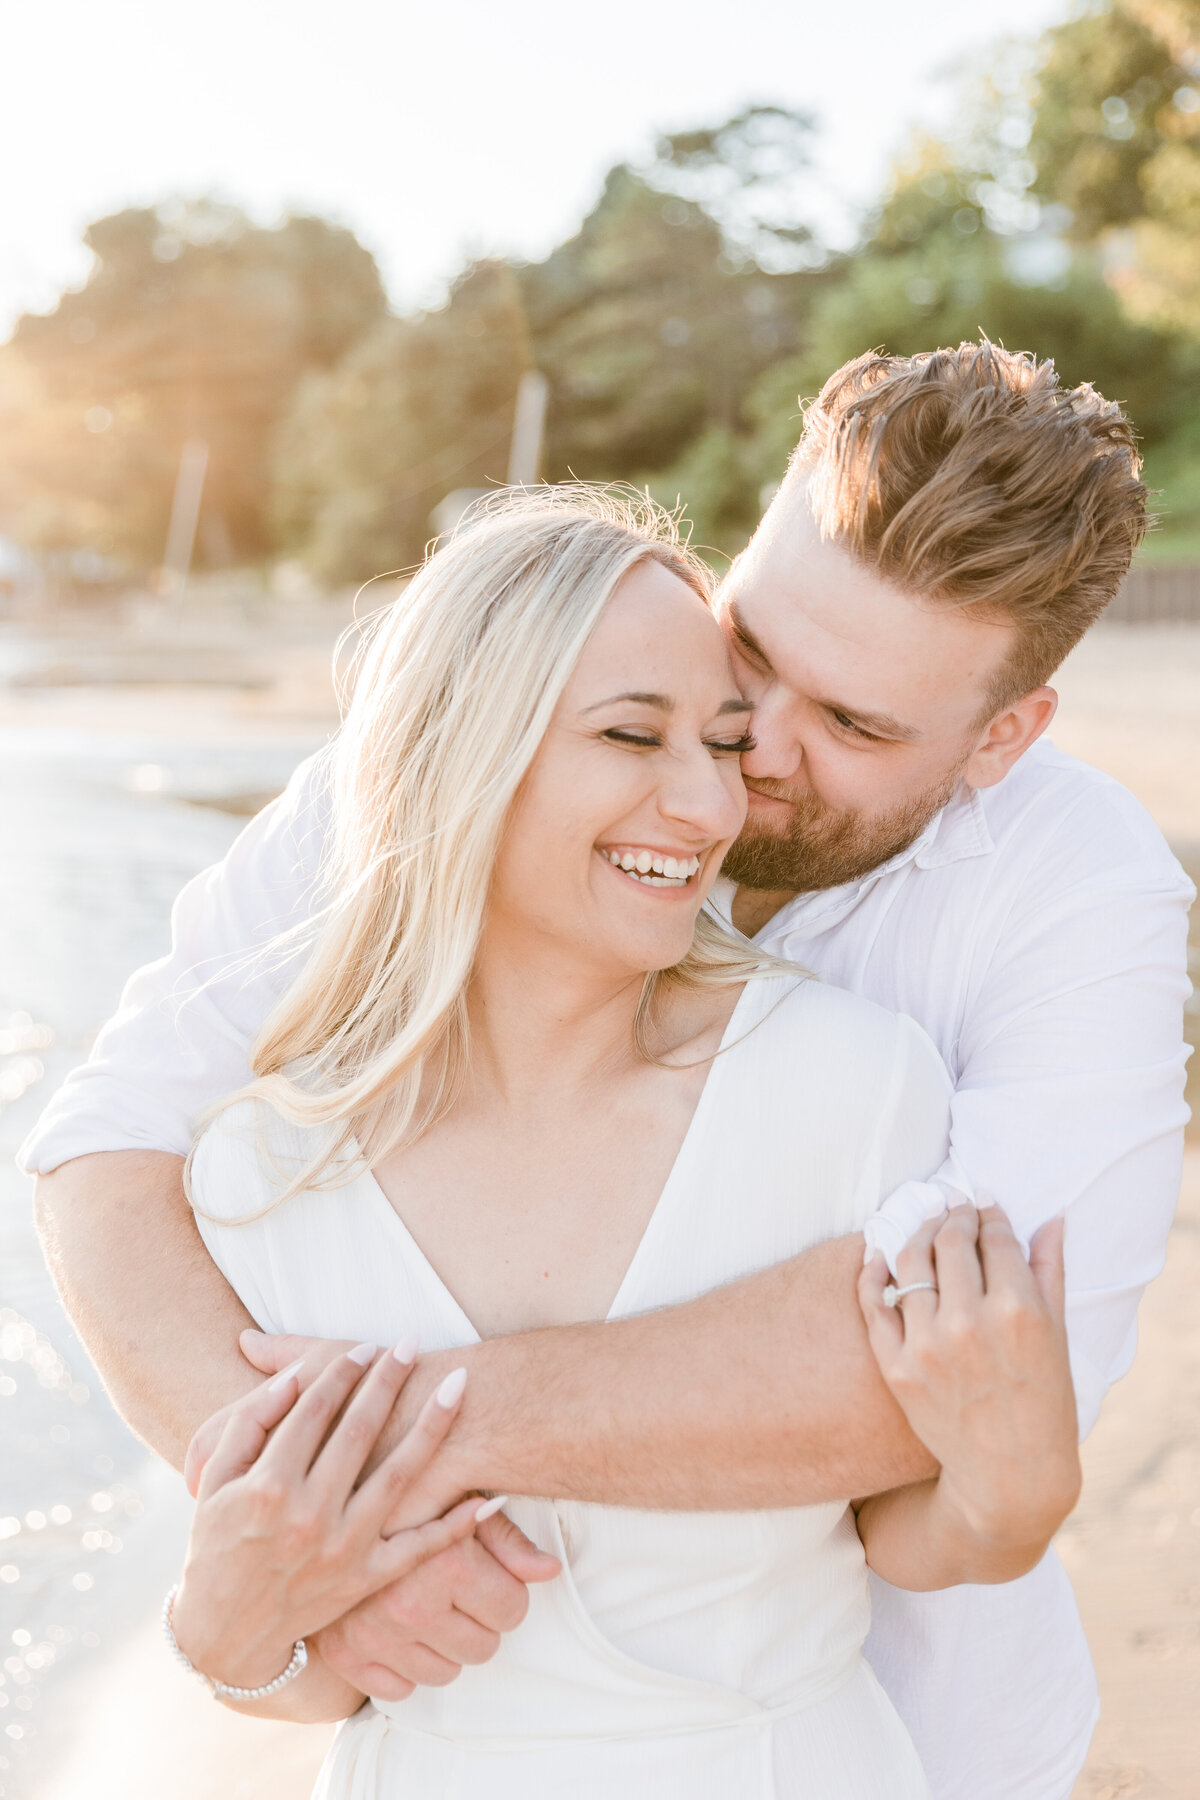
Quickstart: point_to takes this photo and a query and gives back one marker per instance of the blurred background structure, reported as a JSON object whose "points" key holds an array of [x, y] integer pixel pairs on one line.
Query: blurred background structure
{"points": [[226, 420]]}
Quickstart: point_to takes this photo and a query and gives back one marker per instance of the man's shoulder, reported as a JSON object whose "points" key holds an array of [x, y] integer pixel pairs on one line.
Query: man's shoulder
{"points": [[1069, 816]]}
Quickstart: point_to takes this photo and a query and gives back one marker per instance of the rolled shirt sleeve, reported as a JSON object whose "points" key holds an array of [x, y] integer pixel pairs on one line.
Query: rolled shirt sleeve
{"points": [[1070, 1087], [181, 1037]]}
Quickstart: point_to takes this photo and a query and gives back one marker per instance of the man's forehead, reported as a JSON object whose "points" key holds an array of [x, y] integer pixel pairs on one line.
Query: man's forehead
{"points": [[807, 596]]}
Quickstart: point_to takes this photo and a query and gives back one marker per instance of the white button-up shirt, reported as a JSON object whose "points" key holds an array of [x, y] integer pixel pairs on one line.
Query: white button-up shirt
{"points": [[1037, 930]]}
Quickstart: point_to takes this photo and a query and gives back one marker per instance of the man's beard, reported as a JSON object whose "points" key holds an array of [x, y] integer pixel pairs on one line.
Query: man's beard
{"points": [[823, 847]]}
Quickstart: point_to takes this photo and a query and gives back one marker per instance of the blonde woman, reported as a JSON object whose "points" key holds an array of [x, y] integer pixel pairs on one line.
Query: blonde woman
{"points": [[523, 1078]]}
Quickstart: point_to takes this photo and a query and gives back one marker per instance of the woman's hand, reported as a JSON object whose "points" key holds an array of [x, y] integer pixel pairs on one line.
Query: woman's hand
{"points": [[980, 1370], [283, 1542]]}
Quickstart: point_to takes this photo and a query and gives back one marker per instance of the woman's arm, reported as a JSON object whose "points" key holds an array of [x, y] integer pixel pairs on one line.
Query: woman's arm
{"points": [[978, 1363]]}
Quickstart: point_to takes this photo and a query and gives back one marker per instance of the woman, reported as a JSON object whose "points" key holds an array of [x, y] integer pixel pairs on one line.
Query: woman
{"points": [[523, 1078]]}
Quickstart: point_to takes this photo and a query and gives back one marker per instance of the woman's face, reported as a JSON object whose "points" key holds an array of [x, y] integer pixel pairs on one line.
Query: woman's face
{"points": [[620, 826]]}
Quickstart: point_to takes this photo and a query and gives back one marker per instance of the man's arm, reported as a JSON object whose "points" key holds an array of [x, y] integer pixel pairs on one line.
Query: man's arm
{"points": [[158, 1319], [763, 1393]]}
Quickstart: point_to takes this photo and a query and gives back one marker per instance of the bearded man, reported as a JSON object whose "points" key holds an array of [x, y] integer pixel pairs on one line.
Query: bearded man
{"points": [[951, 525]]}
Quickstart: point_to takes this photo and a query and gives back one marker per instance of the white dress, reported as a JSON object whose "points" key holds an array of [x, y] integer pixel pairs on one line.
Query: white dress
{"points": [[694, 1656]]}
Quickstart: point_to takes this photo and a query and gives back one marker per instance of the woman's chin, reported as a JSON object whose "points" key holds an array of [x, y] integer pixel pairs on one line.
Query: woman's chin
{"points": [[649, 953]]}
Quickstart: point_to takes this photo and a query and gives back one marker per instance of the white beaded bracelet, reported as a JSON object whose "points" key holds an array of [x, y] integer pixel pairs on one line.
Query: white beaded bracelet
{"points": [[220, 1688]]}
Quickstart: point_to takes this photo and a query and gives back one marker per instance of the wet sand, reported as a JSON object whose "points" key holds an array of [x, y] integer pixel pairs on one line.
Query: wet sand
{"points": [[125, 1724]]}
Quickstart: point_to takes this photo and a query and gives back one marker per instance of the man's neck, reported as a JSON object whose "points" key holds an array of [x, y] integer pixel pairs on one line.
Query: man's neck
{"points": [[755, 907]]}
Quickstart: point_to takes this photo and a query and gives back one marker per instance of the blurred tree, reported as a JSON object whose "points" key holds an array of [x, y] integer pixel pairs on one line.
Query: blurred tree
{"points": [[933, 273], [754, 175], [648, 332], [193, 323], [1116, 139], [418, 407]]}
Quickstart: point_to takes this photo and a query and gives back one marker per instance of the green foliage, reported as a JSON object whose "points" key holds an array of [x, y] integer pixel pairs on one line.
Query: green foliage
{"points": [[1117, 140], [650, 335], [193, 324], [716, 484], [680, 327], [1089, 160], [418, 407], [751, 175], [1173, 472], [647, 333]]}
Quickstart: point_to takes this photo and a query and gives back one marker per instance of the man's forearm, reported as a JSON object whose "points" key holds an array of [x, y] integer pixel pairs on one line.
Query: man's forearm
{"points": [[158, 1319], [760, 1394]]}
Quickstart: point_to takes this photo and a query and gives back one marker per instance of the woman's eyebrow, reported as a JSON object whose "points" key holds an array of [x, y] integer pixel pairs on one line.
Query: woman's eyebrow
{"points": [[660, 702], [664, 703]]}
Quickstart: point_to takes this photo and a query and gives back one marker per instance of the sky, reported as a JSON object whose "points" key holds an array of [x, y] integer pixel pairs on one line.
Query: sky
{"points": [[435, 131]]}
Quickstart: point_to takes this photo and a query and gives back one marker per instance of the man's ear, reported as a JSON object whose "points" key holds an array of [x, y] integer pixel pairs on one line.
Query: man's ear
{"points": [[1008, 736]]}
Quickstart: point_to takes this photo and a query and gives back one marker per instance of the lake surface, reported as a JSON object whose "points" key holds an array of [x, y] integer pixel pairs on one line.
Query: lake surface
{"points": [[97, 843]]}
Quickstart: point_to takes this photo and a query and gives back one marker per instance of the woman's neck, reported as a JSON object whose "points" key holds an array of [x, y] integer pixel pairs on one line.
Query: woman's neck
{"points": [[540, 1022]]}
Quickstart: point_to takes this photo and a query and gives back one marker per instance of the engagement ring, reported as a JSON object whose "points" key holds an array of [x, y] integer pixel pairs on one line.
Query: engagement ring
{"points": [[892, 1296]]}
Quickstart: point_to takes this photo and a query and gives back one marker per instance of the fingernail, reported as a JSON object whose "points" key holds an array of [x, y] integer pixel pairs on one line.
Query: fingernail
{"points": [[285, 1375], [361, 1354], [406, 1349], [489, 1507], [450, 1392]]}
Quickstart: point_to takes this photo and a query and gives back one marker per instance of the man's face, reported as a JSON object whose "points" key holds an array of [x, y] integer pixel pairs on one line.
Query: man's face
{"points": [[867, 705]]}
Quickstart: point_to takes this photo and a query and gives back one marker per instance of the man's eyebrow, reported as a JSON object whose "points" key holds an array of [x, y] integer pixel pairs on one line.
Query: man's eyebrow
{"points": [[878, 724], [745, 636]]}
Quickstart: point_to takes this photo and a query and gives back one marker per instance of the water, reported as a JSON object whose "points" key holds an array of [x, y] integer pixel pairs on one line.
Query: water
{"points": [[97, 844]]}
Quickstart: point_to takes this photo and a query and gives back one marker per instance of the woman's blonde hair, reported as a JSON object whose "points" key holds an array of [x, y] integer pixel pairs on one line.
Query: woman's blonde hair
{"points": [[453, 692]]}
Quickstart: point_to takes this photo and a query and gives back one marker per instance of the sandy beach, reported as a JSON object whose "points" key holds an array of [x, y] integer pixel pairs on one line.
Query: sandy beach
{"points": [[150, 774]]}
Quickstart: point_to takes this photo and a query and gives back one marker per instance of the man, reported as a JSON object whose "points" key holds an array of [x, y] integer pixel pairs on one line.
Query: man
{"points": [[950, 526]]}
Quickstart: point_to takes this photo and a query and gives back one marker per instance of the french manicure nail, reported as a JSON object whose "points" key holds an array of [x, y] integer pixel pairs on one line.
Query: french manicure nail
{"points": [[361, 1354], [450, 1392], [490, 1506], [285, 1375], [406, 1349]]}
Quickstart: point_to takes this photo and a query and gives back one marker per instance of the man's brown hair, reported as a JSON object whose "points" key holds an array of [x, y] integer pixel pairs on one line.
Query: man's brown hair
{"points": [[969, 477]]}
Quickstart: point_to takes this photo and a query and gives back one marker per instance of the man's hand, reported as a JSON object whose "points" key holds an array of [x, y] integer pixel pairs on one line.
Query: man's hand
{"points": [[452, 1610]]}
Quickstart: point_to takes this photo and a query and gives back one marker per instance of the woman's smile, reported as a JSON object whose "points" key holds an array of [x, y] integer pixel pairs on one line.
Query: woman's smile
{"points": [[652, 868]]}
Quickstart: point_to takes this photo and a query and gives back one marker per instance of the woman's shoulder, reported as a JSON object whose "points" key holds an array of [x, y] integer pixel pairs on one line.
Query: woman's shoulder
{"points": [[246, 1154], [840, 1041]]}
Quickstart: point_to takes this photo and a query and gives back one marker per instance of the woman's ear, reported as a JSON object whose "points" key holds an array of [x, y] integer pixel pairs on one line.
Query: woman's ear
{"points": [[1008, 736]]}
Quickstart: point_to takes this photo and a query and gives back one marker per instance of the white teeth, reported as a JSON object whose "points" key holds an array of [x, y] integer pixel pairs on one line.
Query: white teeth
{"points": [[656, 870]]}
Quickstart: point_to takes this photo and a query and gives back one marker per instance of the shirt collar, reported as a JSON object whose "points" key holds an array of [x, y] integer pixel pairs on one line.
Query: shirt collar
{"points": [[959, 831]]}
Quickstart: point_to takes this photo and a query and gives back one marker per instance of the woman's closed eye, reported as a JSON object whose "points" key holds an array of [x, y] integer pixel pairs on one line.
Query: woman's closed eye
{"points": [[638, 740], [649, 740], [738, 746]]}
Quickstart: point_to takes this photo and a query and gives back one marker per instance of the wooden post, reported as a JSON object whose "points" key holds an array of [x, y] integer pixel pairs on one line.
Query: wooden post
{"points": [[185, 511], [525, 456]]}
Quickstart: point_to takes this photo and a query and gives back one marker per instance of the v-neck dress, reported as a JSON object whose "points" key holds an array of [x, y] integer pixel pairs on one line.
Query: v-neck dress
{"points": [[679, 1656]]}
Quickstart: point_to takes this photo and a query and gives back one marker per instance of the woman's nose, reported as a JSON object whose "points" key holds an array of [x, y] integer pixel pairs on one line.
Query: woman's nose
{"points": [[778, 752], [707, 795]]}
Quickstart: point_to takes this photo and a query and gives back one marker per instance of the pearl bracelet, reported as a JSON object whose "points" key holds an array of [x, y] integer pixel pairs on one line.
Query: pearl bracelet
{"points": [[221, 1689]]}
